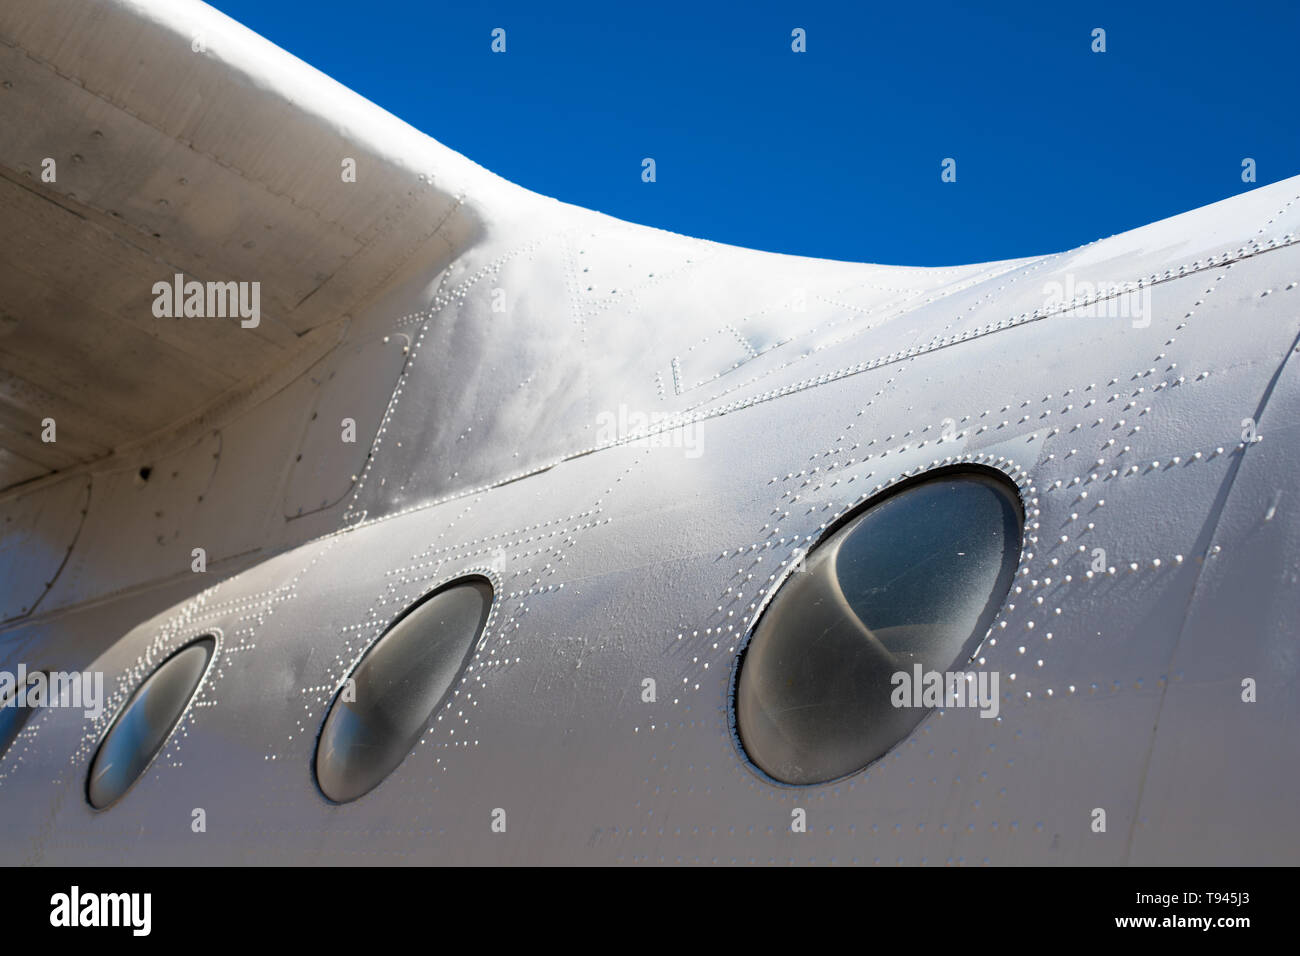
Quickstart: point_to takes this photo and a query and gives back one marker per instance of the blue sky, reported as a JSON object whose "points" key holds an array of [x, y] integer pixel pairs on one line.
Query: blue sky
{"points": [[836, 152]]}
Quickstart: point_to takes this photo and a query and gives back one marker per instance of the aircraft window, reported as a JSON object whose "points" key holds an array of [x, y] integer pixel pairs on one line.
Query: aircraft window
{"points": [[915, 578], [399, 684], [141, 727]]}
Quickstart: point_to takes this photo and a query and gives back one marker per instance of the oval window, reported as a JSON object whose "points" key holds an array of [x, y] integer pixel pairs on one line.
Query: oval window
{"points": [[141, 728], [905, 588], [399, 684]]}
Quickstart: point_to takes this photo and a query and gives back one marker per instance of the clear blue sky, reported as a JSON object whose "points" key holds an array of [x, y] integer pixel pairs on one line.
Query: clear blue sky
{"points": [[836, 152]]}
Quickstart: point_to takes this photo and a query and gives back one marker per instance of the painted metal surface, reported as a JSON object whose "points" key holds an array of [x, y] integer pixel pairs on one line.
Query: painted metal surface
{"points": [[633, 435]]}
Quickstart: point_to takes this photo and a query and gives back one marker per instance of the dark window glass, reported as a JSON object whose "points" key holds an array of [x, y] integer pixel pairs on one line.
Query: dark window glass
{"points": [[916, 578], [399, 684], [144, 724]]}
